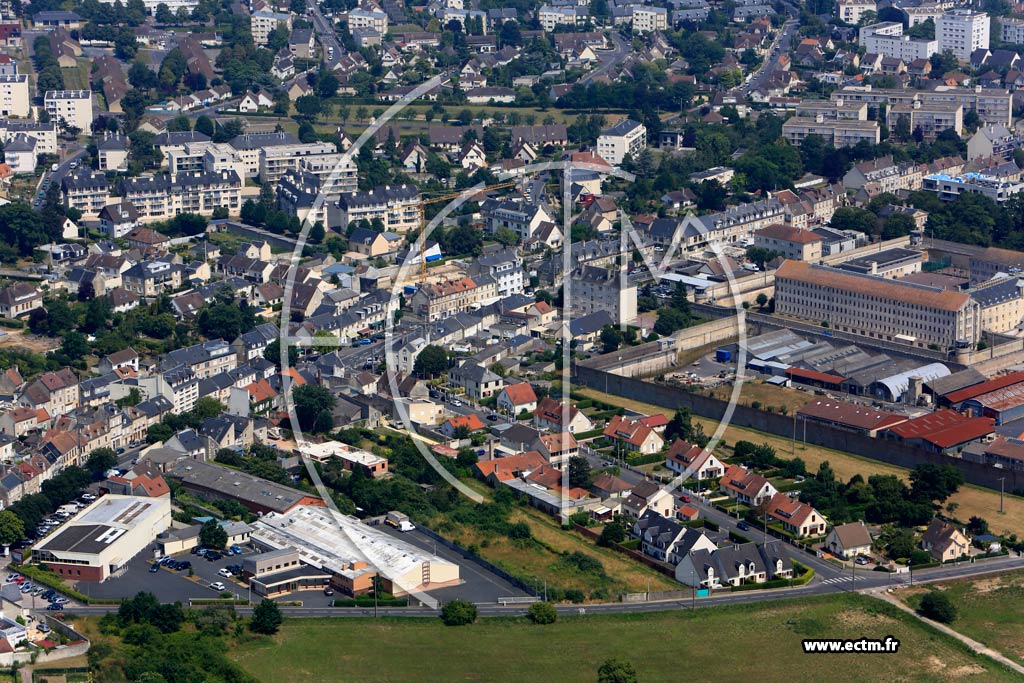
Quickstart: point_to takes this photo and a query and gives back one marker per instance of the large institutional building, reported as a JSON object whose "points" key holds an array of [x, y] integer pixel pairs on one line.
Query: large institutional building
{"points": [[877, 307]]}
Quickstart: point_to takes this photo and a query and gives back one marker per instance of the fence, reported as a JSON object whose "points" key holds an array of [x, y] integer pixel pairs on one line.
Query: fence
{"points": [[891, 452], [498, 571]]}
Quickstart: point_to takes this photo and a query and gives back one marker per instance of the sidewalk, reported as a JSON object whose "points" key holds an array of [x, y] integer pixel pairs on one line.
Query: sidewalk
{"points": [[969, 642]]}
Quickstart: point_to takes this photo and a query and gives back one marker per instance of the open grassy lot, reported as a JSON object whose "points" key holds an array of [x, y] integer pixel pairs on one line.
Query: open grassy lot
{"points": [[741, 644], [767, 395], [542, 560], [989, 610], [972, 500], [77, 77]]}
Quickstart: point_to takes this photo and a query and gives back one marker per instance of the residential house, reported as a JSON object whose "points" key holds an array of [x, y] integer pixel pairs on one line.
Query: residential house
{"points": [[799, 519], [514, 399], [945, 542], [633, 435], [849, 541], [746, 487], [693, 462], [550, 414]]}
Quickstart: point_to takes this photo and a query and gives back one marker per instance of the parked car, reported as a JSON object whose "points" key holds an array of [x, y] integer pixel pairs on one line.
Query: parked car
{"points": [[236, 550], [42, 628], [88, 496], [225, 572], [55, 608], [328, 591], [743, 526], [154, 568], [218, 586], [184, 564], [212, 556], [861, 560]]}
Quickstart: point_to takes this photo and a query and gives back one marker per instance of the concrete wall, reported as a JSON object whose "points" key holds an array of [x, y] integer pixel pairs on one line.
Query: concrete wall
{"points": [[656, 357], [894, 453]]}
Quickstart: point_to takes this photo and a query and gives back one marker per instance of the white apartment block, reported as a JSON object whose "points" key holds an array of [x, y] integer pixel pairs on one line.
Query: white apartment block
{"points": [[73, 106], [368, 18], [86, 191], [962, 31], [45, 134], [887, 39], [1013, 30], [835, 132], [922, 13], [213, 157], [876, 307], [993, 105], [930, 117], [625, 137], [648, 19], [337, 175], [261, 24], [550, 17], [162, 197], [596, 289], [949, 187], [275, 161], [14, 96], [851, 11]]}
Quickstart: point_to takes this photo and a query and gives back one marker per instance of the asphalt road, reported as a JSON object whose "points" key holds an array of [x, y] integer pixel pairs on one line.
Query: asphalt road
{"points": [[325, 32], [609, 58], [768, 66]]}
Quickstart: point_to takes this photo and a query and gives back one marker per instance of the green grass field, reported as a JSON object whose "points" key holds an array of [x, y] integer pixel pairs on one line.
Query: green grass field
{"points": [[989, 610], [76, 77], [739, 643]]}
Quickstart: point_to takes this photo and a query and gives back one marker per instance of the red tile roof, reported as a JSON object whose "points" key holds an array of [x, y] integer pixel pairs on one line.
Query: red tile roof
{"points": [[520, 394], [471, 422], [993, 384], [851, 415], [815, 376]]}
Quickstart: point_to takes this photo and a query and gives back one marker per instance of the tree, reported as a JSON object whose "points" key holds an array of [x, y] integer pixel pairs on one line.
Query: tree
{"points": [[266, 618], [506, 236], [431, 361], [611, 338], [938, 607], [934, 483], [310, 400], [309, 106], [12, 529], [579, 472], [851, 218], [761, 300], [542, 613], [613, 532], [616, 671], [458, 613], [74, 345], [212, 535], [100, 460]]}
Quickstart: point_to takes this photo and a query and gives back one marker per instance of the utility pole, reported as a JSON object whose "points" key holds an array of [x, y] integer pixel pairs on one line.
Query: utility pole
{"points": [[1002, 484]]}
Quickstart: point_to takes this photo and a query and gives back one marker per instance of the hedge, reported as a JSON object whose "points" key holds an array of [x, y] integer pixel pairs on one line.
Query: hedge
{"points": [[218, 601], [738, 538], [806, 575], [589, 434], [363, 601], [48, 578], [15, 324], [645, 459]]}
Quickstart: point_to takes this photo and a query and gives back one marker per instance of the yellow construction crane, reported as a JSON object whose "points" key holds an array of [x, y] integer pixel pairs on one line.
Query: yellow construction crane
{"points": [[448, 197]]}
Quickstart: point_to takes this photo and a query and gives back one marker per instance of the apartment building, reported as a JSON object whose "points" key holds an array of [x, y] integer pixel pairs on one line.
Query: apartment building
{"points": [[164, 196], [14, 96], [45, 134], [264, 21], [732, 225], [250, 145], [521, 218], [375, 19], [205, 360], [150, 278], [397, 206], [962, 31], [112, 153], [86, 191], [835, 132], [74, 107], [993, 105], [790, 242], [832, 110], [550, 17], [625, 137], [880, 308], [885, 174], [887, 39], [851, 11], [930, 118], [443, 300], [275, 161], [647, 19], [949, 187], [193, 157], [595, 289], [1013, 30], [1002, 304], [337, 174]]}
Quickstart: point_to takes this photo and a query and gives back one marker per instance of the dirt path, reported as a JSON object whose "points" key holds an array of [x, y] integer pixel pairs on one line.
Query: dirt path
{"points": [[975, 646]]}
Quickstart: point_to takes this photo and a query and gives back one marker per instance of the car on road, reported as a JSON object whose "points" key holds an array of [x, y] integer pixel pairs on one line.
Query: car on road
{"points": [[456, 403], [54, 168], [685, 499], [55, 608], [492, 417], [742, 526], [218, 586], [154, 568]]}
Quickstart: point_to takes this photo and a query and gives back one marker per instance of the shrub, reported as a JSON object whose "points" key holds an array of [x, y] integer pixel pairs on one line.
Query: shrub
{"points": [[542, 613], [574, 595], [458, 613], [938, 607], [520, 531]]}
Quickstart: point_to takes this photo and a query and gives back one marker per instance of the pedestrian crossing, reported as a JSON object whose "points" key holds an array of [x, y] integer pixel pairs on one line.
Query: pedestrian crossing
{"points": [[838, 579]]}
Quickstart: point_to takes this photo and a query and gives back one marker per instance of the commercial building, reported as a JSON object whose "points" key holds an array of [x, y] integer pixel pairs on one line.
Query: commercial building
{"points": [[962, 31], [259, 496], [876, 307], [74, 107], [99, 541], [353, 458], [625, 137], [14, 95], [350, 552]]}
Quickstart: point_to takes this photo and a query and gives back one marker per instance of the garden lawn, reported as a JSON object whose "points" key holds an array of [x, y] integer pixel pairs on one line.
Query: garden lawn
{"points": [[989, 610], [737, 643], [971, 500]]}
